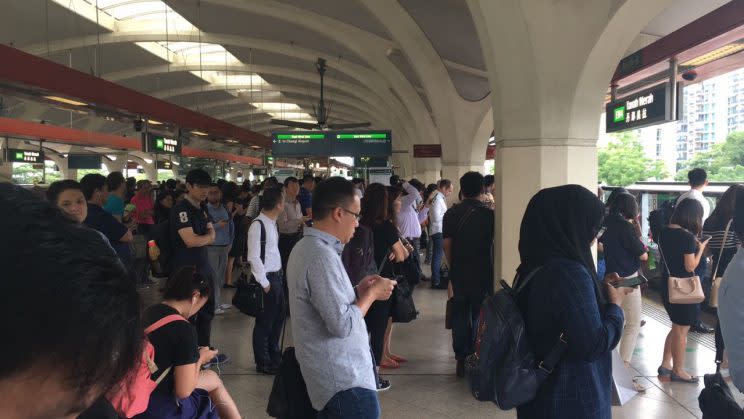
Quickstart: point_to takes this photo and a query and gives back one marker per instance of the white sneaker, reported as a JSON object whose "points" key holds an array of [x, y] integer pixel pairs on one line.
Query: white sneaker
{"points": [[225, 306], [219, 311]]}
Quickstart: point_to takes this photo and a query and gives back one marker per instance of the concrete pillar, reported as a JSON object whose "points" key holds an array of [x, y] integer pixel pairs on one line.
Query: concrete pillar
{"points": [[6, 171], [151, 171], [61, 163], [549, 66]]}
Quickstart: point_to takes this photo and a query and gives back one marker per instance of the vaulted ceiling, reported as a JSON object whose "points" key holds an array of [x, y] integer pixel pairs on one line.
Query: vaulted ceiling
{"points": [[246, 61]]}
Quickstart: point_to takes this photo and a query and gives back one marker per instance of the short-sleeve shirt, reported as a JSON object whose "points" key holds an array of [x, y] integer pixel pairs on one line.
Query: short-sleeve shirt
{"points": [[471, 269], [385, 235], [110, 227], [175, 344], [114, 205], [143, 203], [675, 243], [622, 247], [184, 215]]}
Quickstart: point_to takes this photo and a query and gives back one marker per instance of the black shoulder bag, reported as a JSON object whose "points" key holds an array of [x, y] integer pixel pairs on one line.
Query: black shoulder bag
{"points": [[249, 294]]}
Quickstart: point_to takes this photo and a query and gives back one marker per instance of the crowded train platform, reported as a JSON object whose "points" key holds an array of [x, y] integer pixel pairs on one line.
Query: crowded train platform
{"points": [[372, 209]]}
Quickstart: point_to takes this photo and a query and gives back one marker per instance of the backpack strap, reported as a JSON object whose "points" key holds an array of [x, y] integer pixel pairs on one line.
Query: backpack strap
{"points": [[547, 365], [162, 322], [263, 239], [153, 327], [552, 358]]}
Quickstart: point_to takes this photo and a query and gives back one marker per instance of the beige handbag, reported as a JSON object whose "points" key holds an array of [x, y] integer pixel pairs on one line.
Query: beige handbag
{"points": [[683, 290], [716, 284]]}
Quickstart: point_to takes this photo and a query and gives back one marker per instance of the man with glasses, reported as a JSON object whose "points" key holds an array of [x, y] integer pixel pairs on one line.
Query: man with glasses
{"points": [[330, 335], [266, 267]]}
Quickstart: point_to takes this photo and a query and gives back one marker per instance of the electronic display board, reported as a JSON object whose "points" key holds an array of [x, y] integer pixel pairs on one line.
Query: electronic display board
{"points": [[649, 107], [16, 155], [365, 143], [84, 161], [164, 165], [300, 144], [332, 143], [160, 144]]}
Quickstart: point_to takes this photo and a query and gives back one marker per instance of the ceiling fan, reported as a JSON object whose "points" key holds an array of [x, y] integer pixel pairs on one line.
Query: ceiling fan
{"points": [[321, 112]]}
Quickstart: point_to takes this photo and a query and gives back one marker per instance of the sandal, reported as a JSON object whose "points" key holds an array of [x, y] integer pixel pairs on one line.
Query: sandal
{"points": [[389, 364], [397, 358]]}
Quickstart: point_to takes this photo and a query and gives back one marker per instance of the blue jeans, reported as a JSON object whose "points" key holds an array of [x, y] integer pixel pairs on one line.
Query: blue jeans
{"points": [[436, 258], [354, 403]]}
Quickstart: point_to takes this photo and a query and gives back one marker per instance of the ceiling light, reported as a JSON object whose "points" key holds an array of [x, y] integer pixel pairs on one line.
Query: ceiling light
{"points": [[714, 55], [65, 100], [111, 157], [154, 122], [203, 134], [148, 161], [230, 140], [175, 162]]}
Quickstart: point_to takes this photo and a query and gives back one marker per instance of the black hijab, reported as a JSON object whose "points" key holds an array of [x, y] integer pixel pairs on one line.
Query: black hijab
{"points": [[561, 222]]}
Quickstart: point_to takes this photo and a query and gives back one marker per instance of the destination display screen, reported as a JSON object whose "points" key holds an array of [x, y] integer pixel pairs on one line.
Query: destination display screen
{"points": [[331, 143], [84, 161], [159, 144]]}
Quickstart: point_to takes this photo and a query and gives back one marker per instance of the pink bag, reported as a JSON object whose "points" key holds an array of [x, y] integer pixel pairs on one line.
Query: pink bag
{"points": [[683, 290], [132, 395]]}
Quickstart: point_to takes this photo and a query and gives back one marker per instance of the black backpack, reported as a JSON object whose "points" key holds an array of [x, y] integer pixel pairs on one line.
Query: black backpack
{"points": [[504, 369], [660, 217], [716, 400], [249, 294], [289, 398], [359, 255]]}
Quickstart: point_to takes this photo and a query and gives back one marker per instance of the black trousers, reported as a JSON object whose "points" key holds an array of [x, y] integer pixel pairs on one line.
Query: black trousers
{"points": [[377, 320], [287, 242], [268, 327], [465, 313]]}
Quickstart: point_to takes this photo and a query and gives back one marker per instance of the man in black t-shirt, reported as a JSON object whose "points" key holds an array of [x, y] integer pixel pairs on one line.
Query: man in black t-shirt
{"points": [[191, 232], [468, 246]]}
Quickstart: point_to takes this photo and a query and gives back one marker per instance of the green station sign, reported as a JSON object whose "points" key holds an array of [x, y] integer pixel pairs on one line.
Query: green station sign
{"points": [[648, 107], [160, 144], [15, 155]]}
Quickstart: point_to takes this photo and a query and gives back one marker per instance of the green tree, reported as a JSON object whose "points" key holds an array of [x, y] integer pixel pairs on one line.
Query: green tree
{"points": [[724, 162], [623, 162]]}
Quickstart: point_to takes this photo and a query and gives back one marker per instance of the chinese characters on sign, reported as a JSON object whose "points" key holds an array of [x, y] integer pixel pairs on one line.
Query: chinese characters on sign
{"points": [[649, 107], [23, 156]]}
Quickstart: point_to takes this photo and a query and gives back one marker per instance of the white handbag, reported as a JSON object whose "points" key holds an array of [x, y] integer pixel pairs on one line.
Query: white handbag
{"points": [[683, 290], [716, 283]]}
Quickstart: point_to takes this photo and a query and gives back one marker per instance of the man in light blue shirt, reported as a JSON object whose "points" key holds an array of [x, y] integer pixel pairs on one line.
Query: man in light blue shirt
{"points": [[330, 335], [730, 297], [224, 230]]}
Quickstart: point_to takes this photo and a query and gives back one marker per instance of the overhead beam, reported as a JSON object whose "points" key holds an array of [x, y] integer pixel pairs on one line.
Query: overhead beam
{"points": [[52, 78], [716, 23]]}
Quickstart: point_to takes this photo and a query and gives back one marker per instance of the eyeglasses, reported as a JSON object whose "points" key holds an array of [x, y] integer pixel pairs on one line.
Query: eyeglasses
{"points": [[356, 215]]}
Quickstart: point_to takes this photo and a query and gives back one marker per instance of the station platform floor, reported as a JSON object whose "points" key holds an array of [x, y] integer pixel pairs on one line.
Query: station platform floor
{"points": [[426, 386]]}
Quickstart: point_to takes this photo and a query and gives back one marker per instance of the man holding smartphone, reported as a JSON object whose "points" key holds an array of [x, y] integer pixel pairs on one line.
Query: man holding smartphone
{"points": [[217, 252]]}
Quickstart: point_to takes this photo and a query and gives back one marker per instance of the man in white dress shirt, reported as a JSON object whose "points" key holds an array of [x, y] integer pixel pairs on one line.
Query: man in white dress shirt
{"points": [[698, 181], [266, 267]]}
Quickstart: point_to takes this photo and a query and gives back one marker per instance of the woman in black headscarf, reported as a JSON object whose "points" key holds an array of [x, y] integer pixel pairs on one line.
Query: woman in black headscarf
{"points": [[565, 297]]}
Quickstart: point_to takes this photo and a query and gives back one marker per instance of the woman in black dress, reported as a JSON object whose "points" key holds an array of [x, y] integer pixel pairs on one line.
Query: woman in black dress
{"points": [[377, 216], [681, 250]]}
